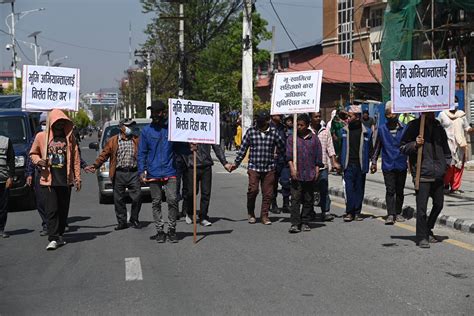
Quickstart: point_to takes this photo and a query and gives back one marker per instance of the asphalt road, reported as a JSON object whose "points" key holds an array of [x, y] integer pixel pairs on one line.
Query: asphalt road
{"points": [[358, 268]]}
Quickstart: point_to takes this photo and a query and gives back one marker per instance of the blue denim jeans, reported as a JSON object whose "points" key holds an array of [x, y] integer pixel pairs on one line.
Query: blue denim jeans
{"points": [[321, 185], [354, 181]]}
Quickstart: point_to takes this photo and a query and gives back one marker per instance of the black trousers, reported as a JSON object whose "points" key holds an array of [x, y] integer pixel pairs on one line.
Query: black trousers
{"points": [[425, 224], [3, 206], [301, 191], [127, 180], [394, 186], [204, 183], [56, 204]]}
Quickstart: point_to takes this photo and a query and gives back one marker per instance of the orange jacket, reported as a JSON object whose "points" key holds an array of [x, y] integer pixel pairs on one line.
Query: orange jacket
{"points": [[73, 161]]}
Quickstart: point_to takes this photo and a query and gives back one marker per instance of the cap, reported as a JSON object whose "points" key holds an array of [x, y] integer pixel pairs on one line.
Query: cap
{"points": [[157, 106], [127, 122]]}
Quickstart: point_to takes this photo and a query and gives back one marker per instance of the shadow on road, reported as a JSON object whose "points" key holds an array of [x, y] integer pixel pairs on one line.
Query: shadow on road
{"points": [[19, 232], [411, 238], [182, 235], [78, 237], [74, 219]]}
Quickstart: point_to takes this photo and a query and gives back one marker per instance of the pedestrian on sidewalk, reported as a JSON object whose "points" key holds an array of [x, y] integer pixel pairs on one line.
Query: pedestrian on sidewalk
{"points": [[261, 139], [282, 170], [356, 151], [435, 161], [122, 151], [204, 165], [309, 160], [394, 164], [60, 170], [329, 161], [7, 172], [157, 167], [456, 126], [238, 134]]}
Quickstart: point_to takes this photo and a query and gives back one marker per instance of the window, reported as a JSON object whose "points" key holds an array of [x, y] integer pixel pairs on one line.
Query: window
{"points": [[14, 128], [346, 25], [376, 18], [375, 51], [285, 62]]}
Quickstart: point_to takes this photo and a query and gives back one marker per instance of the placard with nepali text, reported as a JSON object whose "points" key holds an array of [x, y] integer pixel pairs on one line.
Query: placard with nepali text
{"points": [[46, 88], [193, 121], [422, 85], [296, 92]]}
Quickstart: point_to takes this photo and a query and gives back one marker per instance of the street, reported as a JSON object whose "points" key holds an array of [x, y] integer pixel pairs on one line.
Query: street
{"points": [[357, 268]]}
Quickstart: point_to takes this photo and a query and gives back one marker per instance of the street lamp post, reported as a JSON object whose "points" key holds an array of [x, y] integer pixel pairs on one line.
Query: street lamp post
{"points": [[35, 35], [47, 54]]}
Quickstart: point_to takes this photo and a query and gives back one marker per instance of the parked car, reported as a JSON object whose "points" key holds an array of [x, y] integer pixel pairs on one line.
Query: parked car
{"points": [[21, 128], [110, 129]]}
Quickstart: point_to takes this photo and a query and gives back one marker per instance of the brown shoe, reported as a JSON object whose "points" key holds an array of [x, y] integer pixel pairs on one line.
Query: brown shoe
{"points": [[252, 219], [266, 221]]}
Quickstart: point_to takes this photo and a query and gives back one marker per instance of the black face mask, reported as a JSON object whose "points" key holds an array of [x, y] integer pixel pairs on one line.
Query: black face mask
{"points": [[156, 118], [392, 120], [260, 122]]}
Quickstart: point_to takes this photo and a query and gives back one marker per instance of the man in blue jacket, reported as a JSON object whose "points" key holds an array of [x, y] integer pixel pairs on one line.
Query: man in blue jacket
{"points": [[156, 166], [394, 164], [356, 150]]}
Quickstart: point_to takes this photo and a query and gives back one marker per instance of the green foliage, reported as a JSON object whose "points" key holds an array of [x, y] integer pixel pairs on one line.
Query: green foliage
{"points": [[9, 90], [81, 120]]}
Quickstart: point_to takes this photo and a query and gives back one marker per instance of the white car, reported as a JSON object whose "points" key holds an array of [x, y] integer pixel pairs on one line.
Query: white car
{"points": [[110, 129]]}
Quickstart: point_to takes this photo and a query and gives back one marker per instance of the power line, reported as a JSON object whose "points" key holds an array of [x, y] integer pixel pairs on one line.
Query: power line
{"points": [[21, 50]]}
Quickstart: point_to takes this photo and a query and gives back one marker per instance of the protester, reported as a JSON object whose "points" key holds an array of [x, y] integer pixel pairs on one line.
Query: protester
{"points": [[355, 154], [288, 122], [238, 135], [204, 165], [122, 150], [282, 171], [156, 166], [456, 126], [303, 175], [368, 121], [337, 124], [60, 170], [262, 139], [328, 161], [7, 172], [436, 159], [394, 164], [228, 133]]}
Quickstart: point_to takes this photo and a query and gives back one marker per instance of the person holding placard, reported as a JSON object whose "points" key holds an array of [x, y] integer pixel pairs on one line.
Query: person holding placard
{"points": [[309, 161], [261, 139], [356, 151], [60, 170], [436, 159], [156, 166]]}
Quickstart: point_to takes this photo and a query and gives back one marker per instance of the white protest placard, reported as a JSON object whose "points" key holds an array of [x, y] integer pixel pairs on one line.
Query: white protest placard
{"points": [[422, 85], [193, 121], [296, 92], [46, 88]]}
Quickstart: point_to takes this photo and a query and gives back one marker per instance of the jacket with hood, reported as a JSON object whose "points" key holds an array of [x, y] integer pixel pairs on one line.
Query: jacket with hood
{"points": [[73, 164]]}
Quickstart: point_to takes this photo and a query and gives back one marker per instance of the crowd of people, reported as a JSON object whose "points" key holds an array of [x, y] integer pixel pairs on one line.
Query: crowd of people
{"points": [[345, 145]]}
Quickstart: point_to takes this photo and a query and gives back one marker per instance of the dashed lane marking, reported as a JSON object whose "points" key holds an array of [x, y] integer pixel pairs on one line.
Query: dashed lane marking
{"points": [[133, 269], [412, 229]]}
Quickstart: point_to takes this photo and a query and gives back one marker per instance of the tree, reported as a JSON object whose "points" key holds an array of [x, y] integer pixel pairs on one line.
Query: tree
{"points": [[81, 119]]}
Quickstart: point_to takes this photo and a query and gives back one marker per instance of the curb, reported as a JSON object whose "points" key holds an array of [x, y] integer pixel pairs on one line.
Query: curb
{"points": [[409, 211]]}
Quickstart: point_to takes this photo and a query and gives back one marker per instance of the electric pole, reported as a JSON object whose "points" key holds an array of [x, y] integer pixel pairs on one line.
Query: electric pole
{"points": [[247, 68], [146, 54], [181, 51]]}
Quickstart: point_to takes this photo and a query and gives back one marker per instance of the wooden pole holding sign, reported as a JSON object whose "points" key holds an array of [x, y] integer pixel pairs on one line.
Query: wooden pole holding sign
{"points": [[420, 153], [194, 196], [46, 135], [295, 152]]}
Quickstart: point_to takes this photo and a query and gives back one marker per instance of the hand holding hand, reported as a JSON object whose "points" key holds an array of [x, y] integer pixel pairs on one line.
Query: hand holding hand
{"points": [[373, 168], [42, 163], [29, 180], [337, 166], [9, 183], [228, 167], [90, 169], [143, 177]]}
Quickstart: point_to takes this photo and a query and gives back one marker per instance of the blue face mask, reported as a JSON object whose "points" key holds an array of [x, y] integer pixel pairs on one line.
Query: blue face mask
{"points": [[128, 131]]}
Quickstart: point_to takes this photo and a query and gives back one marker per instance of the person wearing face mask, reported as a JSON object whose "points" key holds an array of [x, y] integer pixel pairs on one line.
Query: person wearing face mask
{"points": [[394, 164], [262, 140], [60, 170], [456, 126], [122, 151], [356, 151]]}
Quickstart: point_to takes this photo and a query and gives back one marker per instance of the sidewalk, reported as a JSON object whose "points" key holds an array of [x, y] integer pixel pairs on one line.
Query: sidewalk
{"points": [[457, 213]]}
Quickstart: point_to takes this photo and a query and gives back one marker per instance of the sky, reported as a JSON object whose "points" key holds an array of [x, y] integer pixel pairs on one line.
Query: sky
{"points": [[94, 34]]}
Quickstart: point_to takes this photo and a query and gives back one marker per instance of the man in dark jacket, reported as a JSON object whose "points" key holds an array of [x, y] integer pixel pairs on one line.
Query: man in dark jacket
{"points": [[204, 165], [435, 161], [122, 151], [7, 172]]}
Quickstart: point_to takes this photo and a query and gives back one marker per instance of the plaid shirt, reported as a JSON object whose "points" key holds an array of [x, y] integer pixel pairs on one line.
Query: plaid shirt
{"points": [[327, 145], [125, 154], [309, 156], [262, 149]]}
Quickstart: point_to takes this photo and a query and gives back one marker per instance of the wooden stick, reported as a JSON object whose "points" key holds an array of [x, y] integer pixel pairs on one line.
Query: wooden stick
{"points": [[420, 153], [194, 195], [46, 143], [295, 153]]}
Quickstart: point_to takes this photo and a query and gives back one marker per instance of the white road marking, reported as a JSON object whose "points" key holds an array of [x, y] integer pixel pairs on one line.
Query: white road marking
{"points": [[133, 269]]}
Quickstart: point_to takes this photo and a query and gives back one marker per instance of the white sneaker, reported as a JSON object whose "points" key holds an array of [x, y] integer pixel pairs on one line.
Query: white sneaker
{"points": [[61, 241], [53, 245], [189, 221], [205, 222]]}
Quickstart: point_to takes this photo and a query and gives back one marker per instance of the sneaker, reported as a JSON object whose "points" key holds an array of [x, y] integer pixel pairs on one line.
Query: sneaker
{"points": [[252, 219], [456, 192], [433, 239], [294, 229], [172, 236], [305, 228], [43, 232], [326, 217], [266, 221], [348, 217], [423, 243], [53, 245], [160, 237], [400, 218], [390, 220], [4, 234], [189, 220], [206, 223], [61, 241], [358, 218]]}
